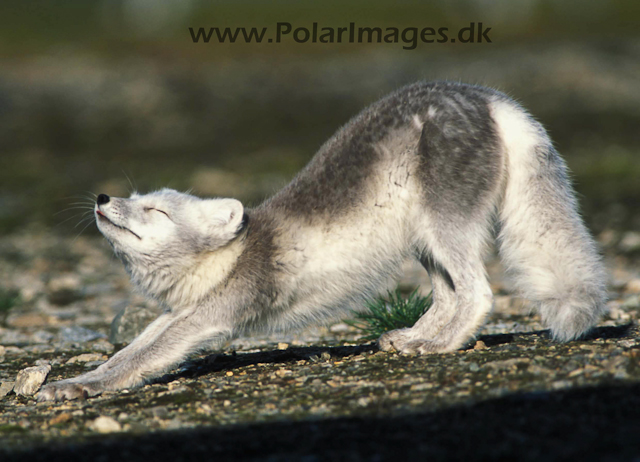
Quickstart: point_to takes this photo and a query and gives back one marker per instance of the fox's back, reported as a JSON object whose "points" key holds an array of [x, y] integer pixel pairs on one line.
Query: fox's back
{"points": [[384, 137]]}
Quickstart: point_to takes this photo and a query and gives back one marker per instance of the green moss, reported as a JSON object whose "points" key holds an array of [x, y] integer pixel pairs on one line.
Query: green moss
{"points": [[10, 428]]}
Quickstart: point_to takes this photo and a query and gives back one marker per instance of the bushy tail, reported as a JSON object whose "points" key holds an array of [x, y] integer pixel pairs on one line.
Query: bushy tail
{"points": [[543, 240]]}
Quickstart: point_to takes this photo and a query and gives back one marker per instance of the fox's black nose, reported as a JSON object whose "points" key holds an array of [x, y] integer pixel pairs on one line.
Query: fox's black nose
{"points": [[102, 199]]}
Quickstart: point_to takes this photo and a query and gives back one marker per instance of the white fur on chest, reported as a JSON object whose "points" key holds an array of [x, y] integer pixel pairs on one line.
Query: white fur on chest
{"points": [[204, 276]]}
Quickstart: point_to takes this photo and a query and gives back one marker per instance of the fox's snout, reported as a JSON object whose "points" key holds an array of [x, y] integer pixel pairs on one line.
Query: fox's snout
{"points": [[102, 199]]}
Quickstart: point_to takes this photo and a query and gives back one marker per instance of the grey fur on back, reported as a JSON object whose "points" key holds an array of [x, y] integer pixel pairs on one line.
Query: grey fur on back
{"points": [[424, 173], [333, 180]]}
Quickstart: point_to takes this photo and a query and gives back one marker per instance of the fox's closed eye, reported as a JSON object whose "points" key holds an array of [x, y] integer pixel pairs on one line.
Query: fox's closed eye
{"points": [[148, 209]]}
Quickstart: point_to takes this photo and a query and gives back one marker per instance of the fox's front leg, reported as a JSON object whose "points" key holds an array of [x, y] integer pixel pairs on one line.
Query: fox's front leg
{"points": [[164, 343]]}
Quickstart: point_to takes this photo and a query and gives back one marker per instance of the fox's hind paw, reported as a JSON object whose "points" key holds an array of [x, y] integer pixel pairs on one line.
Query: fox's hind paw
{"points": [[403, 341], [394, 340]]}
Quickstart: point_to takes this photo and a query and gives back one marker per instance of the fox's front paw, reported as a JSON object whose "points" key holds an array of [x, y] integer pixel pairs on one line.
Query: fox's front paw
{"points": [[404, 341], [68, 389]]}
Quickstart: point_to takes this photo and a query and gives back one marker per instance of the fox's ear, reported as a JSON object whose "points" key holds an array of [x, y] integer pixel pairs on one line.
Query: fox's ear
{"points": [[221, 218]]}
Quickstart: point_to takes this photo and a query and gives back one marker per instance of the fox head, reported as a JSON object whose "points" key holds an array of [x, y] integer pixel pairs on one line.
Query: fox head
{"points": [[166, 228]]}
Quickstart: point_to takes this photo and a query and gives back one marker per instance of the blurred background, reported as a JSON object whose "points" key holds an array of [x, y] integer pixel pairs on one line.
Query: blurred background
{"points": [[106, 96]]}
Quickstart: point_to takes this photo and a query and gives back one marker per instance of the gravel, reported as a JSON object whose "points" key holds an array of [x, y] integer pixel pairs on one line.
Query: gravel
{"points": [[322, 393]]}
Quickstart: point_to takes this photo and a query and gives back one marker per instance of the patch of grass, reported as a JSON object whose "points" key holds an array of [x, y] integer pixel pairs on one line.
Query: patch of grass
{"points": [[10, 428], [393, 312], [8, 299]]}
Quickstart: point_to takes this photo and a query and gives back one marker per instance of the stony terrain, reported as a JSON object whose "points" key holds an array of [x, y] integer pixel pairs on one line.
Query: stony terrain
{"points": [[320, 393], [88, 105]]}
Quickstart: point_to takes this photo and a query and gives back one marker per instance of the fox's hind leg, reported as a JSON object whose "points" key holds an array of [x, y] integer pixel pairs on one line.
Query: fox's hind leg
{"points": [[461, 293], [543, 241], [459, 168]]}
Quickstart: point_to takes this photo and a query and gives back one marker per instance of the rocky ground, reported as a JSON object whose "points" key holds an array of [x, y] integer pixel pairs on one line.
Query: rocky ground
{"points": [[320, 394]]}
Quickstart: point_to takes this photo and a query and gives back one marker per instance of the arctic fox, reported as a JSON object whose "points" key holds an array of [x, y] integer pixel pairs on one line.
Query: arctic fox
{"points": [[424, 173]]}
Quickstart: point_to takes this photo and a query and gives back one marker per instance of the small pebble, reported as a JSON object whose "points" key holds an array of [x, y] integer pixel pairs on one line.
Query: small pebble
{"points": [[630, 242], [78, 334], [340, 328], [28, 320], [94, 364], [64, 290], [631, 302], [60, 418], [480, 345], [5, 388], [160, 412], [29, 380], [105, 424], [102, 346], [633, 286], [86, 357]]}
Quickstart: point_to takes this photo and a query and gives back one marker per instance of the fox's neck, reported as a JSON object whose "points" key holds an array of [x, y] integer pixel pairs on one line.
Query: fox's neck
{"points": [[189, 285]]}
